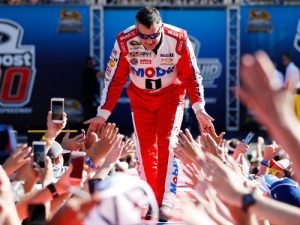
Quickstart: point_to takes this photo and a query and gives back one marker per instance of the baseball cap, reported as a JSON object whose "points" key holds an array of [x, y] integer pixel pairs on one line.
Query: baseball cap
{"points": [[281, 164], [56, 150], [123, 197], [282, 189]]}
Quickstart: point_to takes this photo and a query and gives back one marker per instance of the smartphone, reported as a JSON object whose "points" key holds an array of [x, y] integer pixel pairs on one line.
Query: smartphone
{"points": [[92, 184], [38, 148], [36, 214], [77, 159], [57, 109], [248, 138]]}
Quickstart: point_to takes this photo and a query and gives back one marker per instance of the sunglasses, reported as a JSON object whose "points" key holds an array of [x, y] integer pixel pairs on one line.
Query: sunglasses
{"points": [[151, 36]]}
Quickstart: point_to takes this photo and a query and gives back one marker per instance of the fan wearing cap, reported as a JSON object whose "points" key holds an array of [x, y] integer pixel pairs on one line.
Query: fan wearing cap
{"points": [[56, 155], [278, 168], [270, 151]]}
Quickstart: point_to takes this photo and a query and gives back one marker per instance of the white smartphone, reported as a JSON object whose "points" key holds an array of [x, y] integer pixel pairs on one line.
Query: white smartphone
{"points": [[38, 148], [248, 138], [57, 109]]}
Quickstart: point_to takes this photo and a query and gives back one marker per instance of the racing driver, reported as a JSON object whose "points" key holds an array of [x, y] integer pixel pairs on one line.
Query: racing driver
{"points": [[161, 63]]}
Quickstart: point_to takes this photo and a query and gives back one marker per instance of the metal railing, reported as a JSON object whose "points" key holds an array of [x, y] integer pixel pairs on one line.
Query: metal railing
{"points": [[161, 3]]}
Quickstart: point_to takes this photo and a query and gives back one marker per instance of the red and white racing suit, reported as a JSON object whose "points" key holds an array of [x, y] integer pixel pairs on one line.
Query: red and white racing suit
{"points": [[157, 89]]}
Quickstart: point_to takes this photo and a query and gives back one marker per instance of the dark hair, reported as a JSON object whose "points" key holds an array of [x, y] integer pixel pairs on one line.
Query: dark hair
{"points": [[233, 142], [148, 16], [287, 173]]}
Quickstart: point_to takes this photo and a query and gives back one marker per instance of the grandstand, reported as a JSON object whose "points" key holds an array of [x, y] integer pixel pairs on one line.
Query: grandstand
{"points": [[126, 3]]}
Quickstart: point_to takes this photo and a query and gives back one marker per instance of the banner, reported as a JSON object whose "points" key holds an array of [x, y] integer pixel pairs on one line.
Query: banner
{"points": [[274, 29], [42, 55]]}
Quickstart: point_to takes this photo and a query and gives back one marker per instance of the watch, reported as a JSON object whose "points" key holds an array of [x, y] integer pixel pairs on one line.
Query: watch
{"points": [[53, 190], [247, 201]]}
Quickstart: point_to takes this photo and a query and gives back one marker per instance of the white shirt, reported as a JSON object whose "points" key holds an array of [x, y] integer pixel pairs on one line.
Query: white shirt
{"points": [[290, 70], [279, 77]]}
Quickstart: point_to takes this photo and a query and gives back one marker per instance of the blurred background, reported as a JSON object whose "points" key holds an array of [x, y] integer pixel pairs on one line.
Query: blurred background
{"points": [[48, 48]]}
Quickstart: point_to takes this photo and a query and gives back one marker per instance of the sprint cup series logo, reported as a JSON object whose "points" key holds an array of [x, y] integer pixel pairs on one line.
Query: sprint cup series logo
{"points": [[259, 20], [70, 21], [17, 69]]}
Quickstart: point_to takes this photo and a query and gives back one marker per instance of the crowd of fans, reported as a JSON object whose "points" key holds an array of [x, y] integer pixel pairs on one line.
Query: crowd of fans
{"points": [[227, 184]]}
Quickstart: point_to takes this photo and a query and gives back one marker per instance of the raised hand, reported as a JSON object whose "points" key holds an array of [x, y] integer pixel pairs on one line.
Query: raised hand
{"points": [[180, 153], [192, 172], [240, 150], [29, 173], [270, 151], [190, 212], [107, 137], [212, 132], [209, 145], [274, 105], [46, 174], [227, 182], [192, 148], [260, 144], [6, 200], [17, 159], [128, 147], [66, 181], [117, 147], [90, 139], [96, 122], [213, 206], [74, 143], [54, 129]]}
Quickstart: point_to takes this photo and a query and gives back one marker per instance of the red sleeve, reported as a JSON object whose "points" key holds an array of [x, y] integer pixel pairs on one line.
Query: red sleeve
{"points": [[189, 74], [116, 76]]}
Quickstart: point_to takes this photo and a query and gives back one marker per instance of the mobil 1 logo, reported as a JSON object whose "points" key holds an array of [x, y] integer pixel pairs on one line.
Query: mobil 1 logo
{"points": [[17, 64]]}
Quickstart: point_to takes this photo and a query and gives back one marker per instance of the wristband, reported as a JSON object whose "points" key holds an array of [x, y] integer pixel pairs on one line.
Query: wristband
{"points": [[53, 190], [47, 140], [90, 163], [265, 163], [247, 201]]}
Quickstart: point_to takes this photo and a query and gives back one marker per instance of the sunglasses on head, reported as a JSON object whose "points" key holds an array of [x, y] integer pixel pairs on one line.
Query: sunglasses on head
{"points": [[151, 36]]}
